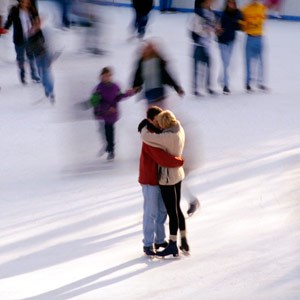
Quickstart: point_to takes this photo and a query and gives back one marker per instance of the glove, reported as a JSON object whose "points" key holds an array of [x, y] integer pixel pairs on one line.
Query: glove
{"points": [[144, 123]]}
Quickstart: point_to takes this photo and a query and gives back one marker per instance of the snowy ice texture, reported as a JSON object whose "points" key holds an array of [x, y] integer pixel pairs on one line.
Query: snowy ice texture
{"points": [[70, 223]]}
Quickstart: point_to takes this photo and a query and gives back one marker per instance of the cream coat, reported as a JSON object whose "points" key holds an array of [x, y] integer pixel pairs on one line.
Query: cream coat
{"points": [[172, 141]]}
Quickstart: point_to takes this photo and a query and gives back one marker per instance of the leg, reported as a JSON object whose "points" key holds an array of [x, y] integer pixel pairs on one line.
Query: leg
{"points": [[208, 73], [33, 66], [168, 193], [20, 56], [162, 5], [150, 194], [195, 68], [249, 55], [180, 215], [161, 217], [109, 135], [43, 63], [65, 13], [260, 75], [169, 4], [226, 50]]}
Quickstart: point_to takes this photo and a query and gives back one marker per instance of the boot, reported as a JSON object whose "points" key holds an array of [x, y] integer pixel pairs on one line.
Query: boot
{"points": [[226, 90], [184, 247], [194, 205], [163, 245], [170, 250], [149, 251]]}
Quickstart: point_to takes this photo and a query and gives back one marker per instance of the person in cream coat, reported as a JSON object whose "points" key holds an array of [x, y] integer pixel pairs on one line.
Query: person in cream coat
{"points": [[172, 140]]}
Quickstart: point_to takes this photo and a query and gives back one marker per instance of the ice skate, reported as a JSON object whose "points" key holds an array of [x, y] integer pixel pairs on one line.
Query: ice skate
{"points": [[170, 250]]}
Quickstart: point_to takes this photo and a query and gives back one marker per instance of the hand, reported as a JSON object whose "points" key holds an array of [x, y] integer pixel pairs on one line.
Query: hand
{"points": [[142, 124], [130, 92], [137, 89], [180, 92], [3, 31]]}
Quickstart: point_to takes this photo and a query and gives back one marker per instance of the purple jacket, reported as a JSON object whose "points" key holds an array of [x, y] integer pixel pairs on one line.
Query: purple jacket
{"points": [[110, 96]]}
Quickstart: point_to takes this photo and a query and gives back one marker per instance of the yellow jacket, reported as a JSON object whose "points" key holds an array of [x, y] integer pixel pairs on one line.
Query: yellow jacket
{"points": [[254, 15]]}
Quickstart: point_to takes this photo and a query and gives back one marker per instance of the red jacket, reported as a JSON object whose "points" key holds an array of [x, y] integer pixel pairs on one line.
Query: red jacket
{"points": [[150, 158]]}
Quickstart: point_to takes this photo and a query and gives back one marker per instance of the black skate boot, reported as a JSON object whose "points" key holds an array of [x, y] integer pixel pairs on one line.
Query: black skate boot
{"points": [[170, 250], [249, 89], [194, 205], [149, 251], [163, 245], [226, 90], [184, 247]]}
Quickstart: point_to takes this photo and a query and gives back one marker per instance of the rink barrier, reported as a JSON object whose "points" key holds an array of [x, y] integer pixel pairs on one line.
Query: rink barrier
{"points": [[185, 10]]}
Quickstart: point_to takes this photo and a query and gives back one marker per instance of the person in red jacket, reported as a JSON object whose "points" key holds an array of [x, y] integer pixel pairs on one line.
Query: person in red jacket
{"points": [[155, 213]]}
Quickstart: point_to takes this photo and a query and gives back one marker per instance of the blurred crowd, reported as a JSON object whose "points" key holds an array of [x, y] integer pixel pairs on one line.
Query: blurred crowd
{"points": [[161, 171]]}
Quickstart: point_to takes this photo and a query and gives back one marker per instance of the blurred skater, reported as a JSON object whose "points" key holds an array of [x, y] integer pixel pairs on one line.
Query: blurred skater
{"points": [[105, 99], [88, 17], [152, 75], [202, 30], [142, 9], [166, 6], [65, 6], [21, 17], [254, 16]]}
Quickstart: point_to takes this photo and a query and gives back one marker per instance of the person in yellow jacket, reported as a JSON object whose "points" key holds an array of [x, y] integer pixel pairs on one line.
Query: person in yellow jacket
{"points": [[254, 16]]}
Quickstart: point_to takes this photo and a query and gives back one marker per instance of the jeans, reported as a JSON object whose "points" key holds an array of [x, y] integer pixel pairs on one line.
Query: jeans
{"points": [[254, 51], [140, 24], [201, 56], [20, 51], [165, 5], [43, 63], [226, 51], [154, 217]]}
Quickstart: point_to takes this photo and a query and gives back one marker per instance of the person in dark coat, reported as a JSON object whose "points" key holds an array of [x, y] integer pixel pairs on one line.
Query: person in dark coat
{"points": [[142, 9], [152, 75], [228, 25], [21, 17]]}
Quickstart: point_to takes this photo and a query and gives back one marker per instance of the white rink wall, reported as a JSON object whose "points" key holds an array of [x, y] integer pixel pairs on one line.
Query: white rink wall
{"points": [[290, 8]]}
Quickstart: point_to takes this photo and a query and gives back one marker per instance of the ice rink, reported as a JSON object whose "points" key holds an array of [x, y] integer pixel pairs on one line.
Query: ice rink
{"points": [[71, 222]]}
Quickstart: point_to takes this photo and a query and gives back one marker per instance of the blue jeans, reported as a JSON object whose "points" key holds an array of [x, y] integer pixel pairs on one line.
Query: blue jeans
{"points": [[201, 56], [140, 24], [254, 51], [226, 51], [43, 62], [20, 52], [165, 4], [154, 217]]}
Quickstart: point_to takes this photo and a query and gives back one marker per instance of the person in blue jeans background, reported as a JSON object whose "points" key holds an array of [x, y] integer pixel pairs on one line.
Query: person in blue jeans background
{"points": [[227, 27], [142, 10], [165, 5], [155, 212], [254, 16]]}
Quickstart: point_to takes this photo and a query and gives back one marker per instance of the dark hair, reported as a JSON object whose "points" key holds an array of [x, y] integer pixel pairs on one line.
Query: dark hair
{"points": [[198, 3], [226, 7], [106, 70], [153, 111]]}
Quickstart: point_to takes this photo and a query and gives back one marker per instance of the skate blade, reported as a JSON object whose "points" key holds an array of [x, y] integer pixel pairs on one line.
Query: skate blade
{"points": [[167, 257], [185, 253]]}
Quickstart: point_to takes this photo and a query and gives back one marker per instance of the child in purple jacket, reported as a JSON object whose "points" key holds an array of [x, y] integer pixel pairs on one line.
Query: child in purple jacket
{"points": [[104, 100]]}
